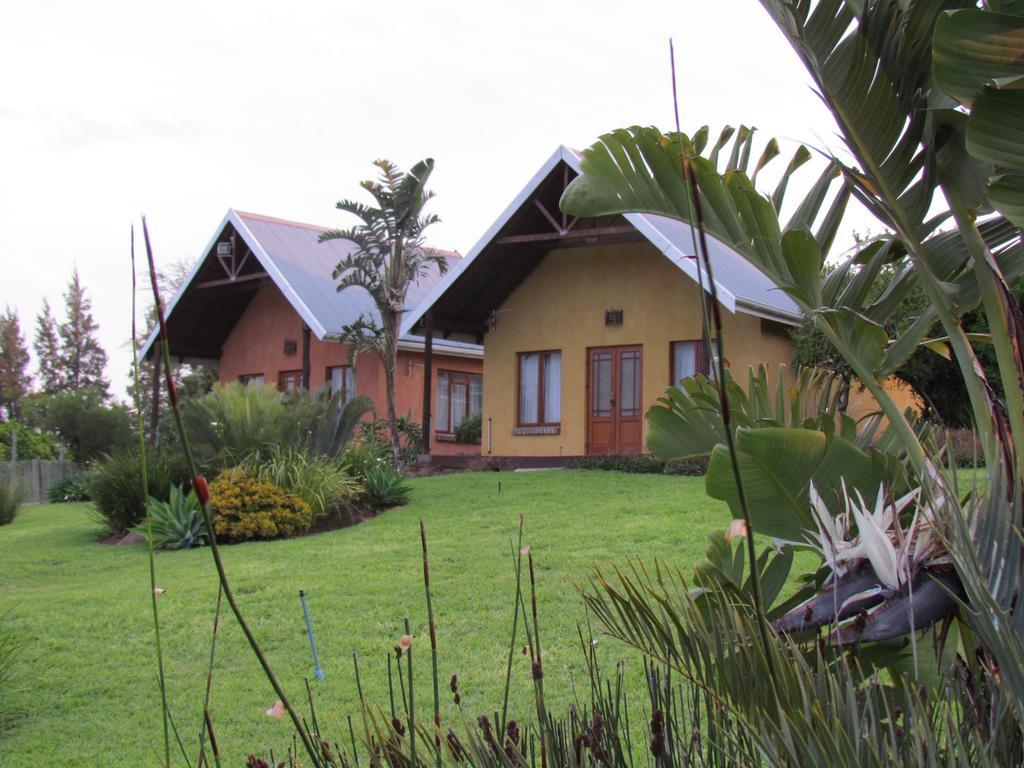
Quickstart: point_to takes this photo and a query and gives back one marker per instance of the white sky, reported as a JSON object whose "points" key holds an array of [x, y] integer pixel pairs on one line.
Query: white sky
{"points": [[181, 110]]}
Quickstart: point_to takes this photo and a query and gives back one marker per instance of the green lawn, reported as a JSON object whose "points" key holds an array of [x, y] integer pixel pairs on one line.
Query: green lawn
{"points": [[85, 694]]}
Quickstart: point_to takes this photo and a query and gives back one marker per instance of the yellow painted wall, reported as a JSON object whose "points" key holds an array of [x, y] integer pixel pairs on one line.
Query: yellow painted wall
{"points": [[862, 403], [561, 305]]}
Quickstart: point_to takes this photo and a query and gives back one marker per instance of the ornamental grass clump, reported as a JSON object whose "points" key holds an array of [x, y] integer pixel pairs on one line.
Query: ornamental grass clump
{"points": [[246, 508], [323, 483], [116, 485]]}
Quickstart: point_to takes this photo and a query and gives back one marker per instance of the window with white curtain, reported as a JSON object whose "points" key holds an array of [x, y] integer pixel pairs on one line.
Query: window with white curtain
{"points": [[540, 388], [459, 396], [688, 360], [342, 379]]}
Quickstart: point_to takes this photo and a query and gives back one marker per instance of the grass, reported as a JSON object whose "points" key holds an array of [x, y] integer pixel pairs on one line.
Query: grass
{"points": [[85, 693]]}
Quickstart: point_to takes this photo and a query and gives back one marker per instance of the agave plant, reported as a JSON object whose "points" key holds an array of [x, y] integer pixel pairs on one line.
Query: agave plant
{"points": [[176, 523]]}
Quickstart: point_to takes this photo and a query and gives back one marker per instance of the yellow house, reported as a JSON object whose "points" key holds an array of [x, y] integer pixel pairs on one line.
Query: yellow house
{"points": [[585, 322]]}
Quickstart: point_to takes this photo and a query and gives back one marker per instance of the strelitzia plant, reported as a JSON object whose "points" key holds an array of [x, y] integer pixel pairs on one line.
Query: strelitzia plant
{"points": [[927, 101], [890, 578]]}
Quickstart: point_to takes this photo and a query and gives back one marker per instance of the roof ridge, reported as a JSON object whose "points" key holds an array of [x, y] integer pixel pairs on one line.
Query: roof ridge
{"points": [[279, 220], [448, 254]]}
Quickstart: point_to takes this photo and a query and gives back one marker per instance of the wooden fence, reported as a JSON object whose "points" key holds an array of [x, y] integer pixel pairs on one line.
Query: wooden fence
{"points": [[35, 476]]}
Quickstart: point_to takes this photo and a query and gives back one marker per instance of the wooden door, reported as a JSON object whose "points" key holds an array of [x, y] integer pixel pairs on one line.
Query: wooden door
{"points": [[614, 400]]}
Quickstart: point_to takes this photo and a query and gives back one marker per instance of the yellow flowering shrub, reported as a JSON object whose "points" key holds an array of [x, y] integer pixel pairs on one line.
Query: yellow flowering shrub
{"points": [[246, 508]]}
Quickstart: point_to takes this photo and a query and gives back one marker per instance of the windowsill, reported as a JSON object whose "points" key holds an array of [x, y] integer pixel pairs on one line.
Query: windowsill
{"points": [[449, 437], [552, 429]]}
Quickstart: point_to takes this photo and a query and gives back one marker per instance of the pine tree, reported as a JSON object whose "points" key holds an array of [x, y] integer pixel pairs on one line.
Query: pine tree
{"points": [[14, 380], [47, 347], [82, 358]]}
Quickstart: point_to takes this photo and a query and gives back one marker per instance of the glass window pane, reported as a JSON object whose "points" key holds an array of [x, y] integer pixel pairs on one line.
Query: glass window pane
{"points": [[342, 379], [476, 395], [601, 384], [629, 384], [684, 360], [528, 388], [441, 423], [349, 382], [553, 387], [460, 401]]}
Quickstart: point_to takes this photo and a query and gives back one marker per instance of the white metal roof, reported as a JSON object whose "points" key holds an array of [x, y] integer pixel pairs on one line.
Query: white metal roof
{"points": [[301, 267], [741, 286]]}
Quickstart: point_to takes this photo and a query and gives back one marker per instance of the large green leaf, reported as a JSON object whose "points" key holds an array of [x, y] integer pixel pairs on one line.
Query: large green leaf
{"points": [[972, 48], [777, 466], [1006, 193], [865, 338], [687, 422], [995, 131]]}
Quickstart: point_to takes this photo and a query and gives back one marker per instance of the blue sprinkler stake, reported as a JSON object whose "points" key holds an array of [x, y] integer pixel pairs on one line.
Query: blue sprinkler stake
{"points": [[312, 643]]}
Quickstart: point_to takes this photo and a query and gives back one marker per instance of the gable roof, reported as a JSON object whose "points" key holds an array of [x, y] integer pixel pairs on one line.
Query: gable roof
{"points": [[300, 266], [741, 286]]}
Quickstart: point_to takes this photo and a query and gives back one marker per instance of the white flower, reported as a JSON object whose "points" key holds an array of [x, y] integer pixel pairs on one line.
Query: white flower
{"points": [[877, 547]]}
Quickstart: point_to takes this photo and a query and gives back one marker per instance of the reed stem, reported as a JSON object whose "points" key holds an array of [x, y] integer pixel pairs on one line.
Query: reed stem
{"points": [[202, 492], [149, 517], [433, 643]]}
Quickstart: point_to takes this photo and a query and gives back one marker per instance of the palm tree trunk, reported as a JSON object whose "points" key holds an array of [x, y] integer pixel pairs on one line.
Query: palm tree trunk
{"points": [[390, 363]]}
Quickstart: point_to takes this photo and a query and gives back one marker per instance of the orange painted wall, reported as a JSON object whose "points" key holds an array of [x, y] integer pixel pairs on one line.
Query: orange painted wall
{"points": [[256, 345]]}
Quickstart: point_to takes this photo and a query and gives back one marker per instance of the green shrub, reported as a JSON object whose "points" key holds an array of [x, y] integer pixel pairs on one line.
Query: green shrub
{"points": [[87, 426], [644, 464], [322, 483], [362, 455], [177, 523], [236, 421], [71, 488], [379, 433], [10, 499], [247, 508], [470, 430], [32, 443], [384, 487], [115, 484]]}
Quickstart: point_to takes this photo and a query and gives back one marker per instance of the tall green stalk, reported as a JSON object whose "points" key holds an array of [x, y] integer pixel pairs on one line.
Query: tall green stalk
{"points": [[517, 557], [538, 670], [207, 723], [203, 493], [412, 698], [698, 235], [1007, 349], [433, 643], [149, 517]]}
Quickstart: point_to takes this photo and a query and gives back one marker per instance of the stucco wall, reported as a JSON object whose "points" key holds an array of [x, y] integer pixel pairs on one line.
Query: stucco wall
{"points": [[256, 345], [561, 305]]}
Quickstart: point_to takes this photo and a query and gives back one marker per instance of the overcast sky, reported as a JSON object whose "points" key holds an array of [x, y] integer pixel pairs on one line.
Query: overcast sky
{"points": [[182, 110]]}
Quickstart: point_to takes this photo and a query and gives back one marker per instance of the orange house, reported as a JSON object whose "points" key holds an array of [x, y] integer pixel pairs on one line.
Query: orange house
{"points": [[261, 304]]}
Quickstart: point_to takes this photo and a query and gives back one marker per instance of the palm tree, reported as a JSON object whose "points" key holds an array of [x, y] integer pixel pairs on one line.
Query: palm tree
{"points": [[389, 257]]}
